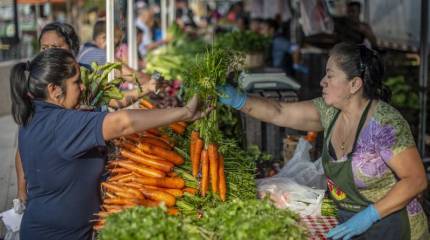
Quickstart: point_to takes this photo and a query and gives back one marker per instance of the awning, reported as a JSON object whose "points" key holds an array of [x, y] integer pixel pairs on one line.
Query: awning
{"points": [[39, 1]]}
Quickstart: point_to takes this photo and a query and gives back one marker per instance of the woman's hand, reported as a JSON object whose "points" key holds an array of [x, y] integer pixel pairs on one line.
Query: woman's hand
{"points": [[356, 225], [192, 109]]}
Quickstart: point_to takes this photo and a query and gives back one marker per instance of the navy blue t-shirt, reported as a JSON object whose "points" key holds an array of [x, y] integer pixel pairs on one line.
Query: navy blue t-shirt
{"points": [[63, 156]]}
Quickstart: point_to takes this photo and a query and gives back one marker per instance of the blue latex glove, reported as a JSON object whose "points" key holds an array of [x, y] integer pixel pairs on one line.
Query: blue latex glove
{"points": [[301, 68], [356, 225], [231, 96]]}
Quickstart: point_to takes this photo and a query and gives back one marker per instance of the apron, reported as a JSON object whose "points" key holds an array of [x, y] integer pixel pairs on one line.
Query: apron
{"points": [[349, 200]]}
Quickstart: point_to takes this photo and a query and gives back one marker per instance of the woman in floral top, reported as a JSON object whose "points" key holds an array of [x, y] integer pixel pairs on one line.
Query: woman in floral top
{"points": [[374, 171]]}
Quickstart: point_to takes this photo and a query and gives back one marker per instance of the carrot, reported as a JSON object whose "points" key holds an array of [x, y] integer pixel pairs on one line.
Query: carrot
{"points": [[213, 166], [157, 164], [147, 104], [145, 171], [173, 211], [161, 196], [221, 177], [150, 203], [191, 190], [136, 150], [120, 171], [168, 139], [109, 195], [184, 124], [193, 139], [166, 182], [153, 131], [120, 201], [127, 179], [196, 155], [177, 128], [133, 138], [115, 188], [109, 187], [161, 152], [172, 174], [118, 177], [125, 195], [205, 173], [133, 185], [110, 207], [156, 142], [175, 192]]}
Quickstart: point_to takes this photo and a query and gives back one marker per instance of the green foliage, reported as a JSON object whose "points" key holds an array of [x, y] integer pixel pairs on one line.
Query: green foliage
{"points": [[208, 71], [402, 93], [172, 59], [144, 223], [252, 219], [249, 219], [243, 41], [98, 90]]}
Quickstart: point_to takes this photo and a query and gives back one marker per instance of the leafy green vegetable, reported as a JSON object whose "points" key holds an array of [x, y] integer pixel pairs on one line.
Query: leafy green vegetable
{"points": [[402, 93], [98, 90], [208, 71], [250, 219]]}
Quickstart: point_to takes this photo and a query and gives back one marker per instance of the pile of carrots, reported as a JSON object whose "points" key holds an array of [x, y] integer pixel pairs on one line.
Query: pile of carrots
{"points": [[142, 175], [177, 127], [210, 162]]}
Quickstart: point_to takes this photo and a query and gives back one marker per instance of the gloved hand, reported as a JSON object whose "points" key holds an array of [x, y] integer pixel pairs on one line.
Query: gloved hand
{"points": [[301, 68], [231, 96], [356, 225]]}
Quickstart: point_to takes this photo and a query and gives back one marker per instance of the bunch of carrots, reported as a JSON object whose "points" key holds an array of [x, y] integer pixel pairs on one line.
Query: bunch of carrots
{"points": [[207, 159], [142, 175]]}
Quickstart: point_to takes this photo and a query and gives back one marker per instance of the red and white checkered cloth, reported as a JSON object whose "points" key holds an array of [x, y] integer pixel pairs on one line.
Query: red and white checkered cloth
{"points": [[318, 227]]}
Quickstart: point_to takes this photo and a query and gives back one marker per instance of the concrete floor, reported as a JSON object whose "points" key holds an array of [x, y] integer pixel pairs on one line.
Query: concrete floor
{"points": [[8, 143]]}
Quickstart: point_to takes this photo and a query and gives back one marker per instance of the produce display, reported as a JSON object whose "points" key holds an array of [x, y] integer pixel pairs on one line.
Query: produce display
{"points": [[190, 180]]}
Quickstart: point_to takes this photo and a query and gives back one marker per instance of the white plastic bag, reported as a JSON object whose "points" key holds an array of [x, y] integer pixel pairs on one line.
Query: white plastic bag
{"points": [[12, 220], [302, 170], [286, 193]]}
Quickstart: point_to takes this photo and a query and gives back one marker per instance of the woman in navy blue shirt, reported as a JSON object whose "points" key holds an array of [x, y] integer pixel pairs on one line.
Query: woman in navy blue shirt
{"points": [[62, 35], [60, 147]]}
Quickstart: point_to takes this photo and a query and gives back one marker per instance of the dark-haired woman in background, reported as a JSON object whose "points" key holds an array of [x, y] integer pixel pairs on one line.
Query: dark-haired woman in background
{"points": [[59, 146], [373, 169]]}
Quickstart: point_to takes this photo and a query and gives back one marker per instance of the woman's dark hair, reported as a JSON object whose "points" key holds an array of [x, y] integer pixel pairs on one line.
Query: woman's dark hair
{"points": [[29, 81], [360, 61], [66, 31]]}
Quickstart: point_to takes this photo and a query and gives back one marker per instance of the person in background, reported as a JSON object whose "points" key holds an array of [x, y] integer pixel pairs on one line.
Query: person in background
{"points": [[254, 25], [145, 22], [351, 29], [122, 51], [373, 168], [62, 149], [95, 51], [281, 48]]}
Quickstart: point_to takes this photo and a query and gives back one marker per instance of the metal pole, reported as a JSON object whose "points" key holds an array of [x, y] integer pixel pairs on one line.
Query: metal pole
{"points": [[163, 17], [132, 45], [172, 12], [423, 76], [110, 57]]}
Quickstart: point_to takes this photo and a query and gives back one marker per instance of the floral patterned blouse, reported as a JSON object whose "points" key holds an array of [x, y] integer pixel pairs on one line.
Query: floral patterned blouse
{"points": [[385, 135]]}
